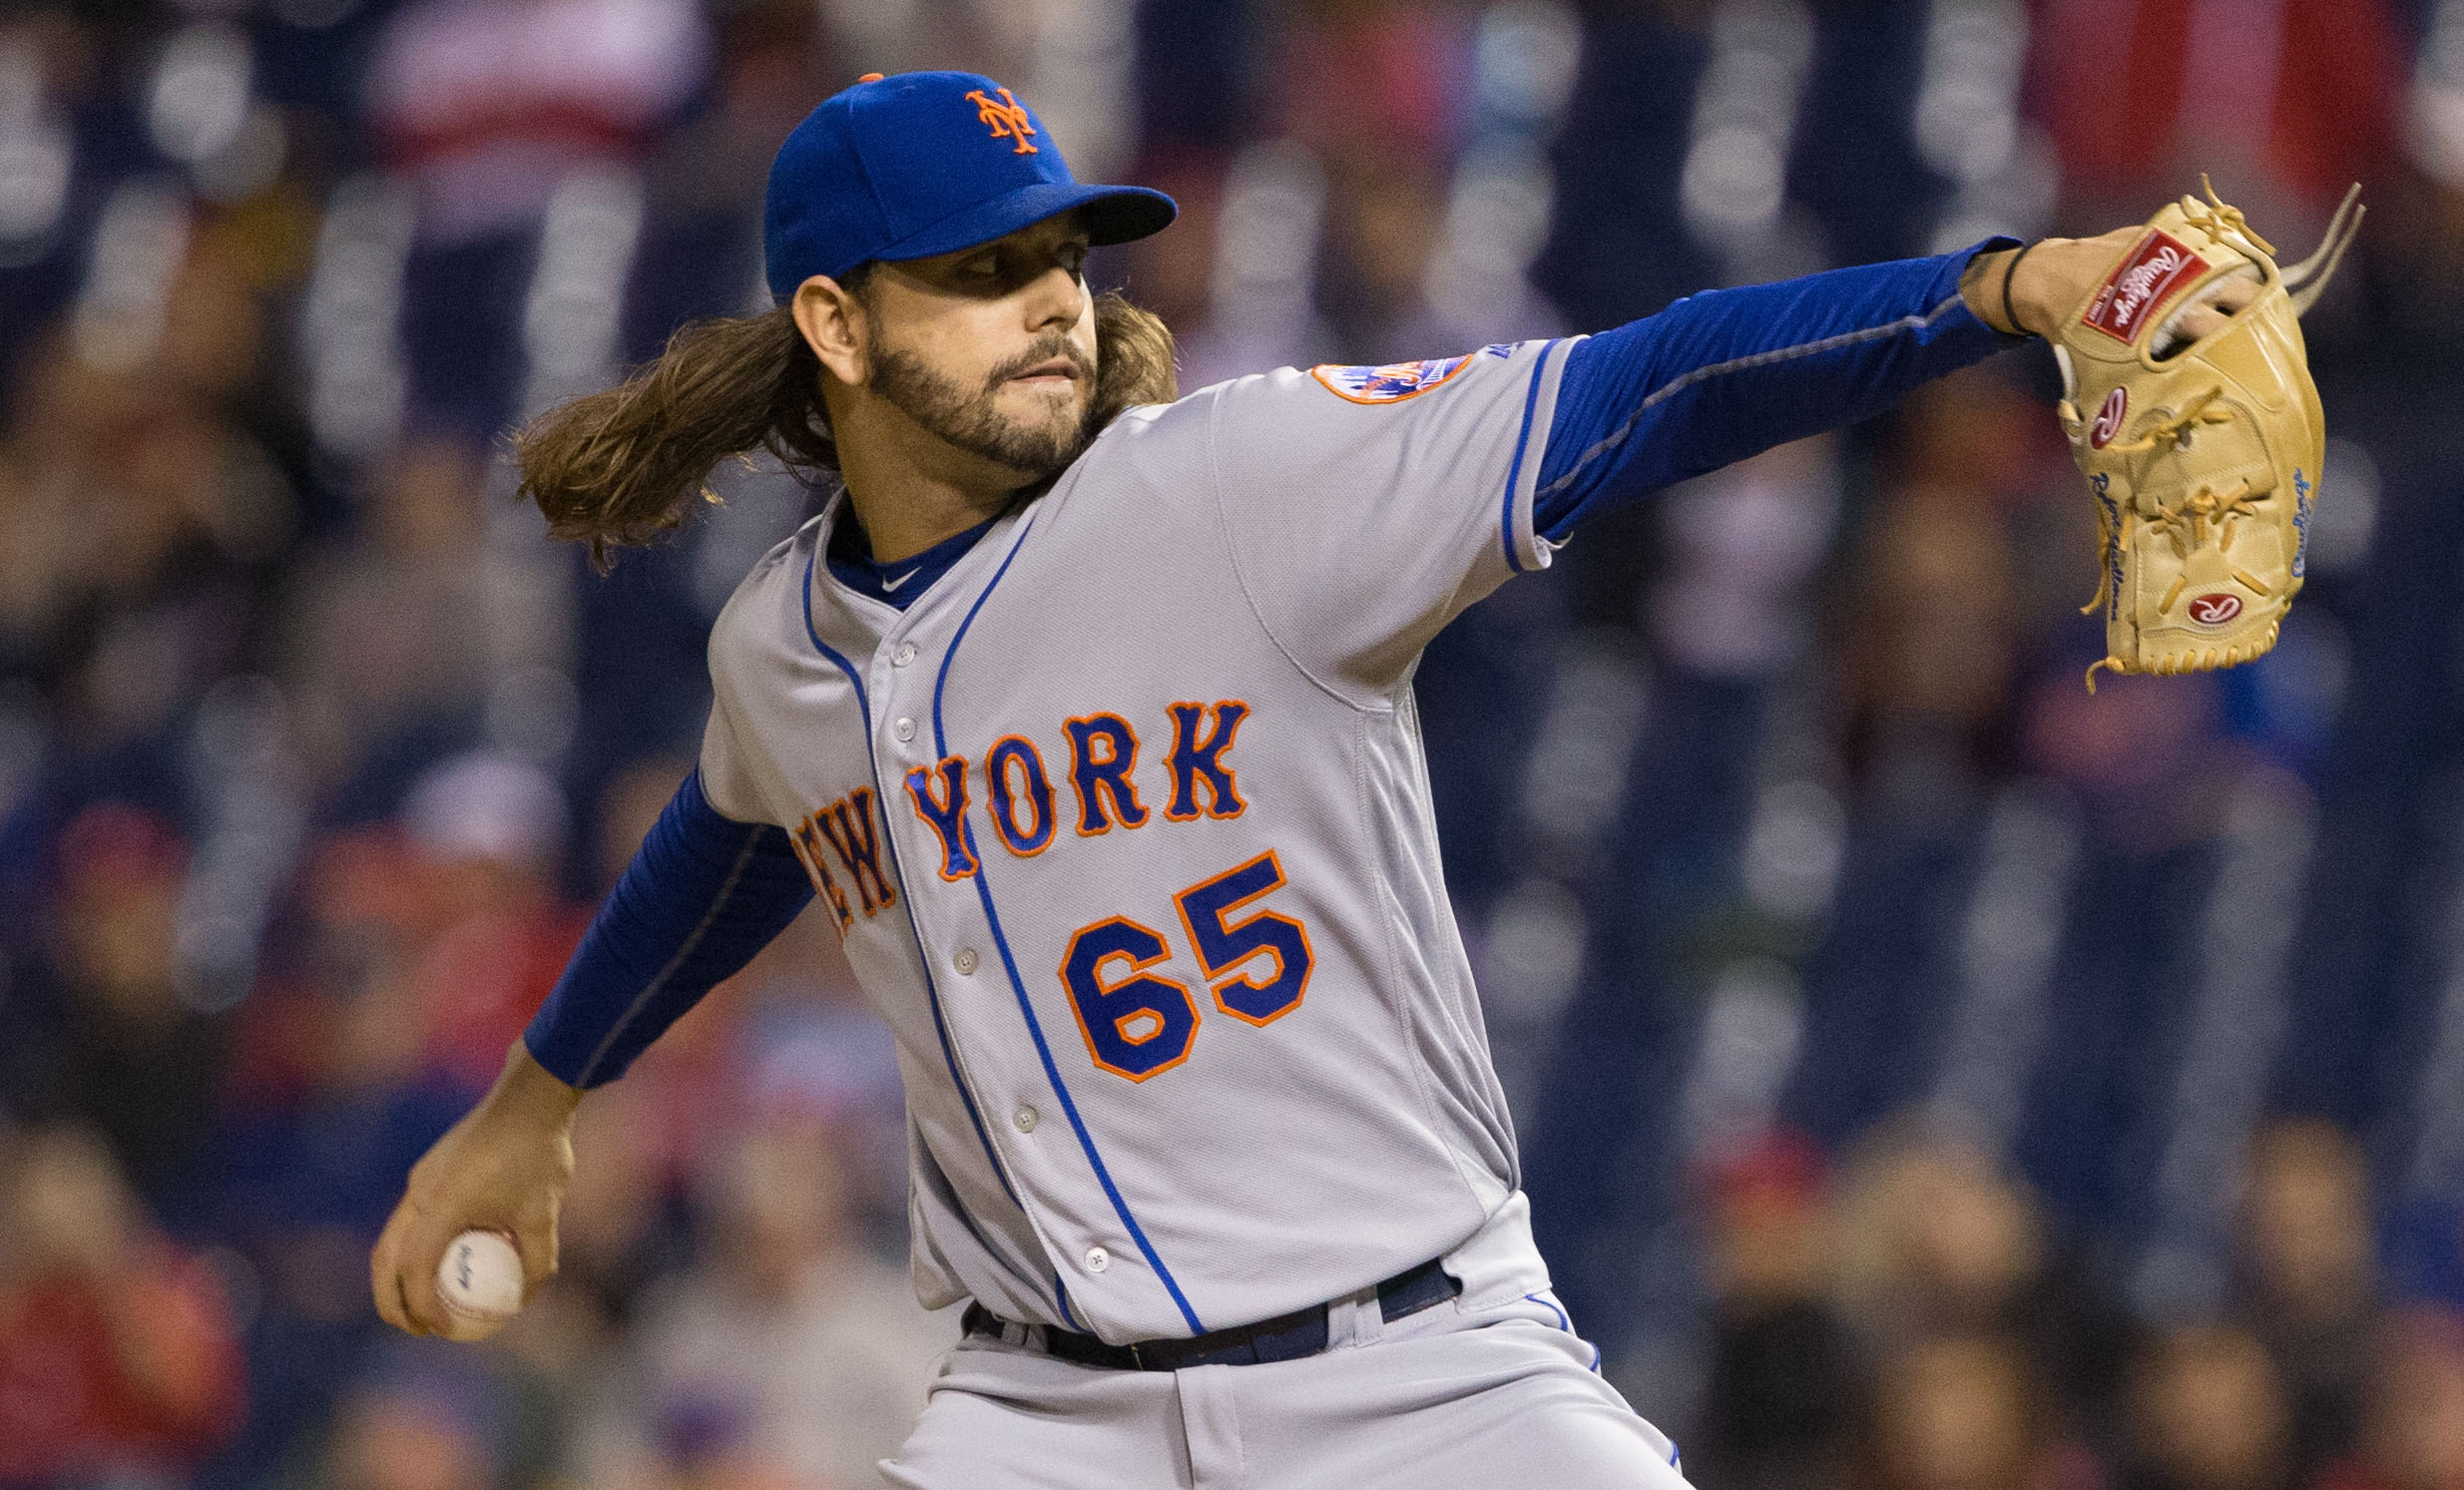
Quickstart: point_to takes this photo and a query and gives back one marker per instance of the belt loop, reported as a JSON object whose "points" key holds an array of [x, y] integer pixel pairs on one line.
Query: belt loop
{"points": [[1355, 1319]]}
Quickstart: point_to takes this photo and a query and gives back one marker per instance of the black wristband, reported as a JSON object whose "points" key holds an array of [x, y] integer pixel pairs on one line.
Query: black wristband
{"points": [[2009, 268]]}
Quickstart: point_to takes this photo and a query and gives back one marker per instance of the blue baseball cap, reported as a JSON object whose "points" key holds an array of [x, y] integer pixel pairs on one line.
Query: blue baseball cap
{"points": [[922, 164]]}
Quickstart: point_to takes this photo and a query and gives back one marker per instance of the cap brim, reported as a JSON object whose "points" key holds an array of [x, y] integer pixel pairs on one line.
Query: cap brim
{"points": [[1113, 215]]}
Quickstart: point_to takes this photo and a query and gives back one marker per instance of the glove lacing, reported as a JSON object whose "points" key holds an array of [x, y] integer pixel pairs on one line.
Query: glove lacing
{"points": [[2219, 220], [2186, 524], [2202, 409], [2173, 428]]}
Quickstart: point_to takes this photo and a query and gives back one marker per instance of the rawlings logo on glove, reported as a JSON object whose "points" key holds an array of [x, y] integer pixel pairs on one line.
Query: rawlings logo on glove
{"points": [[2149, 273], [2204, 461]]}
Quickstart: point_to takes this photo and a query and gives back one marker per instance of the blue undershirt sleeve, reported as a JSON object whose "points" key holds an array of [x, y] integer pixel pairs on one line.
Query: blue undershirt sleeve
{"points": [[1721, 375], [701, 898]]}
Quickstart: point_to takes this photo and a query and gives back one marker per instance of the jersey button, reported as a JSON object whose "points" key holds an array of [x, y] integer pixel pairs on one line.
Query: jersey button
{"points": [[964, 961], [904, 654], [1098, 1259], [904, 730], [1025, 1120]]}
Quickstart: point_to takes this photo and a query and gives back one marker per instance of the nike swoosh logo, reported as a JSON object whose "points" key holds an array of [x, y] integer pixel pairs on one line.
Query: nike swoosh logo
{"points": [[903, 579]]}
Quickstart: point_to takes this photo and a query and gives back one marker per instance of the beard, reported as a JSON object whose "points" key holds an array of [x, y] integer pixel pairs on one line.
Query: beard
{"points": [[972, 421]]}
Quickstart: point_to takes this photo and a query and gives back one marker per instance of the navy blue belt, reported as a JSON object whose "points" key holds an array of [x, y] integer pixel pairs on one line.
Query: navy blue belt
{"points": [[1285, 1337]]}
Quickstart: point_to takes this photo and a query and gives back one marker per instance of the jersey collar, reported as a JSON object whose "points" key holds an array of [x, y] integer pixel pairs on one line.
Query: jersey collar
{"points": [[850, 560]]}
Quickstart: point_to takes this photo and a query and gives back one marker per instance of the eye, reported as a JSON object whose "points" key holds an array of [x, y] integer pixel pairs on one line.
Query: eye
{"points": [[981, 266]]}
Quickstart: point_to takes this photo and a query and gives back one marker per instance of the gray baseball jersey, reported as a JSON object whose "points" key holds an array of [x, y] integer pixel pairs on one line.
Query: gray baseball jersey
{"points": [[1126, 827]]}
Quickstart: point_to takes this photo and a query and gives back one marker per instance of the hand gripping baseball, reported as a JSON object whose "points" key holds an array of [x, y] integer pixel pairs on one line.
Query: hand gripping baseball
{"points": [[503, 1168]]}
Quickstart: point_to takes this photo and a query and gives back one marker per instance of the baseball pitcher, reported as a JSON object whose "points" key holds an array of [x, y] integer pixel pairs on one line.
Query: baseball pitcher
{"points": [[1086, 713]]}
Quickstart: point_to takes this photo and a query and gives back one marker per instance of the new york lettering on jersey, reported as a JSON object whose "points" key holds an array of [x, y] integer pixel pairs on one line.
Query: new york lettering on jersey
{"points": [[1140, 783]]}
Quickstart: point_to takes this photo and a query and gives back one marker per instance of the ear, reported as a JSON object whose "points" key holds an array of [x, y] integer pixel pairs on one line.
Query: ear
{"points": [[832, 323]]}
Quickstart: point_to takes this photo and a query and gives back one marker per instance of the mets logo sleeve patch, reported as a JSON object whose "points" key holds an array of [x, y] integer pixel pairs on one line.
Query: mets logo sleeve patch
{"points": [[1390, 383], [1361, 523]]}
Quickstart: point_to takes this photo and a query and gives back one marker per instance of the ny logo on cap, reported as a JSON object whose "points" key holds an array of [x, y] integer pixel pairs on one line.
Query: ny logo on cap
{"points": [[1006, 117]]}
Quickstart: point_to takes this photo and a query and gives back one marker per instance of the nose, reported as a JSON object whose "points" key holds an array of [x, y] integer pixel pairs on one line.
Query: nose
{"points": [[1057, 298]]}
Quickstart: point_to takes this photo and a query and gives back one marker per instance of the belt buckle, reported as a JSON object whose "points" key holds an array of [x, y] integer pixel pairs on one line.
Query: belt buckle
{"points": [[1136, 1356]]}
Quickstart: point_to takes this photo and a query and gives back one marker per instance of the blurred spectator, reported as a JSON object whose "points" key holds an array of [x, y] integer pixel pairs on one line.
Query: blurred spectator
{"points": [[1968, 1413], [1940, 1242], [1177, 283], [2310, 1275], [130, 512], [1378, 79], [2302, 91], [1776, 1408], [421, 955], [488, 105], [2412, 1428], [388, 631], [2144, 761], [328, 1109], [489, 109], [331, 1098], [2207, 1412], [118, 1355], [108, 1038], [1365, 87], [786, 1346], [490, 834], [425, 1415], [700, 249], [1740, 541], [1943, 600]]}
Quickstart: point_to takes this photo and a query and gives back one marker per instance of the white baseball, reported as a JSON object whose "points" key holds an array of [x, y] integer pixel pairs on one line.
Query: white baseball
{"points": [[480, 1277]]}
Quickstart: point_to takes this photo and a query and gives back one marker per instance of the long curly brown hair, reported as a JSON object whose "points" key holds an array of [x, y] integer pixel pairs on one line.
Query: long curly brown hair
{"points": [[616, 469]]}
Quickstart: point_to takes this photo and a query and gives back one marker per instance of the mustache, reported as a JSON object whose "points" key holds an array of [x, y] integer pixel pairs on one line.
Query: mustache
{"points": [[1048, 346]]}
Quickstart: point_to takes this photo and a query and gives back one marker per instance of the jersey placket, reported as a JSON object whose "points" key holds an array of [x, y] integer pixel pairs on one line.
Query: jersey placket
{"points": [[895, 653], [1031, 1128], [950, 939], [1047, 1146]]}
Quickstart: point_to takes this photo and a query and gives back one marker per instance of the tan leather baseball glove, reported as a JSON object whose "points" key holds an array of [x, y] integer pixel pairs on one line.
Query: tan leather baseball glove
{"points": [[2204, 459]]}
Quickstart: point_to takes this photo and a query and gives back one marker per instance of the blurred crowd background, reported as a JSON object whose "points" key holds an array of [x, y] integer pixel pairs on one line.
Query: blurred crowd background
{"points": [[1929, 1076]]}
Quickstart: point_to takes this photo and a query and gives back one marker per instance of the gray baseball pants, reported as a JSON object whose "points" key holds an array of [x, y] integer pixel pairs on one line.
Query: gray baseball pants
{"points": [[1480, 1398]]}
